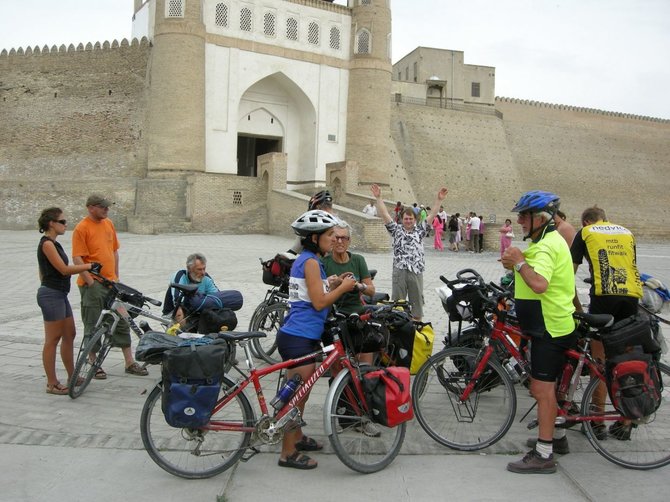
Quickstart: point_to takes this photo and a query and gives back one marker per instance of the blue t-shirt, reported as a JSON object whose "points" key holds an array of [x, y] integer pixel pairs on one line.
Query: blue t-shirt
{"points": [[303, 319]]}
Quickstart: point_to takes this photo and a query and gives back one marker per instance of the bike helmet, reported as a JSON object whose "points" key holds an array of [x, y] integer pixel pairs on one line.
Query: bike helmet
{"points": [[536, 201], [320, 198], [314, 222]]}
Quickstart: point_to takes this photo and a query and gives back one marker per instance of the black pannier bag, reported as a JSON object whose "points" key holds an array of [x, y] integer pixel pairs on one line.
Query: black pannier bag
{"points": [[276, 271], [153, 344], [192, 378], [364, 336], [630, 332]]}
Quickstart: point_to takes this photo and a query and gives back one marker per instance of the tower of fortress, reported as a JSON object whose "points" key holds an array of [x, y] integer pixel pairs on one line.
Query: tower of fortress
{"points": [[225, 115]]}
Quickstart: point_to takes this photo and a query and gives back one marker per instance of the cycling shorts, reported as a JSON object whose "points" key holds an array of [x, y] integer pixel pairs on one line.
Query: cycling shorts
{"points": [[292, 347], [547, 355]]}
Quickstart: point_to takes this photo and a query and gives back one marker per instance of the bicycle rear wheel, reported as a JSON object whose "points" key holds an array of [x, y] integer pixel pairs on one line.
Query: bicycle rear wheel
{"points": [[261, 306], [638, 444], [468, 425], [269, 320], [84, 370], [360, 444], [196, 453]]}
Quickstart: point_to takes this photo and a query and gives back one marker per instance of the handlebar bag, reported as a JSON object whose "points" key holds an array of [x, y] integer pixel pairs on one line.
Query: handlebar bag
{"points": [[387, 396], [192, 378], [634, 384]]}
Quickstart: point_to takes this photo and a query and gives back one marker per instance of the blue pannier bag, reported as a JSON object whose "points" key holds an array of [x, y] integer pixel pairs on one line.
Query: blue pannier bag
{"points": [[192, 377]]}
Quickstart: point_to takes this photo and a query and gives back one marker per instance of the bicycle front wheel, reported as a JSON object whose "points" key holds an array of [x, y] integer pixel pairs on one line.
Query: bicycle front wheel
{"points": [[196, 453], [360, 444], [635, 444], [84, 370], [269, 320], [463, 424]]}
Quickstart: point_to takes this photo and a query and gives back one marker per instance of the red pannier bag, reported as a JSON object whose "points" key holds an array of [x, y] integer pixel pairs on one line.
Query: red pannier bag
{"points": [[387, 395]]}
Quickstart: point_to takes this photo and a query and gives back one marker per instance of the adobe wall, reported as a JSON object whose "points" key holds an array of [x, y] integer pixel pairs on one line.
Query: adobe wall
{"points": [[466, 152], [72, 123], [617, 161]]}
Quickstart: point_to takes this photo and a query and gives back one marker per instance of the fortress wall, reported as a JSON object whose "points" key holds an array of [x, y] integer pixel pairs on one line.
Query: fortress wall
{"points": [[72, 122], [466, 152], [619, 162]]}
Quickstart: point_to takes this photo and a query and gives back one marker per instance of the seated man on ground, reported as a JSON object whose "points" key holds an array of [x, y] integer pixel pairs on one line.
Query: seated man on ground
{"points": [[207, 295]]}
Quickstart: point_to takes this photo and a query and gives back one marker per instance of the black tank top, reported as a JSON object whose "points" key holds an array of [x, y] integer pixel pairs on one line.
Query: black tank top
{"points": [[52, 278]]}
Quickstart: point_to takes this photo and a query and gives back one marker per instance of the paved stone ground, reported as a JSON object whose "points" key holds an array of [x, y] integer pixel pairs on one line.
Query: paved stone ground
{"points": [[37, 429]]}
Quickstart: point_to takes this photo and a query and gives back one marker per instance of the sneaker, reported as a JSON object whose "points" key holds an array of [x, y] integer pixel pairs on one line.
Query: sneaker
{"points": [[560, 446], [533, 463], [621, 431], [369, 429]]}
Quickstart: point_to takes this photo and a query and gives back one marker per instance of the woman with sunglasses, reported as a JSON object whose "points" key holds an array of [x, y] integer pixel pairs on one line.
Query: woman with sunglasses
{"points": [[55, 273]]}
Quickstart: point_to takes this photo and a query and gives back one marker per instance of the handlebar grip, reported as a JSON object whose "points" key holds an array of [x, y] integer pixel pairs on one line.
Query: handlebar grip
{"points": [[157, 303], [497, 288], [444, 280]]}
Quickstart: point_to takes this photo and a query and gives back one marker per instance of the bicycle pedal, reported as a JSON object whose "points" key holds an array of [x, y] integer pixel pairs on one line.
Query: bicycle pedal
{"points": [[533, 424], [250, 454]]}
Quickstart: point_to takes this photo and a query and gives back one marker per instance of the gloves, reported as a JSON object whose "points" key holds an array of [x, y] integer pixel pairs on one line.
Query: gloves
{"points": [[95, 268]]}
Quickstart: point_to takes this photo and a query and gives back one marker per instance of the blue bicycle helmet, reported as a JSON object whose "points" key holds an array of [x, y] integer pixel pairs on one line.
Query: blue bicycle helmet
{"points": [[536, 201]]}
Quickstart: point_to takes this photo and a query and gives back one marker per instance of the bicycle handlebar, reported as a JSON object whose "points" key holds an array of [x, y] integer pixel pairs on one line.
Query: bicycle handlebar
{"points": [[118, 286]]}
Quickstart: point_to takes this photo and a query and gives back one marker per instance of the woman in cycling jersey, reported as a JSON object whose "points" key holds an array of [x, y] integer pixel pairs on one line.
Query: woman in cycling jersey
{"points": [[309, 300]]}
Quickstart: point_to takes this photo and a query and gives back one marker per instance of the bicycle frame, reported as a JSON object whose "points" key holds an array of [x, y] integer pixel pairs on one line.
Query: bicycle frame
{"points": [[121, 310], [502, 332], [336, 354]]}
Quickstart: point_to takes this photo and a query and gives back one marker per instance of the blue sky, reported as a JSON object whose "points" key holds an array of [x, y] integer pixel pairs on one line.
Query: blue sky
{"points": [[605, 54]]}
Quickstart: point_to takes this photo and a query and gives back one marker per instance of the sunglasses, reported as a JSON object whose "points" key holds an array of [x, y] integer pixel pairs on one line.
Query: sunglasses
{"points": [[341, 238], [62, 222]]}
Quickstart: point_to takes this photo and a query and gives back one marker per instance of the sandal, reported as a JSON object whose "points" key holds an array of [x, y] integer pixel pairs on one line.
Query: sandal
{"points": [[100, 374], [308, 444], [298, 461], [136, 369], [56, 388]]}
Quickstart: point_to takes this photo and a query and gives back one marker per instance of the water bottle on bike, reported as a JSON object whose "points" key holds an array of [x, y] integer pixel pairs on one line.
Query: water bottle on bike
{"points": [[286, 392]]}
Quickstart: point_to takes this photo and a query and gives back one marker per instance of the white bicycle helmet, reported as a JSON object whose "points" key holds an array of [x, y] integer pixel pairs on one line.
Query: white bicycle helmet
{"points": [[315, 221]]}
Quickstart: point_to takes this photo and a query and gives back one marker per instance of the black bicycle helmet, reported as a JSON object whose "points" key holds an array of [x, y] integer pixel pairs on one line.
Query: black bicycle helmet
{"points": [[314, 222], [536, 201], [322, 198]]}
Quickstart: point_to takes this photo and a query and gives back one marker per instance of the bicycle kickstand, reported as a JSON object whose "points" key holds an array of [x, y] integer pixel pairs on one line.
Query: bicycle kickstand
{"points": [[251, 451]]}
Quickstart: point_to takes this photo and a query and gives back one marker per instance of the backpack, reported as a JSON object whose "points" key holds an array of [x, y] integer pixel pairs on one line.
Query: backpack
{"points": [[387, 396], [192, 376], [634, 384]]}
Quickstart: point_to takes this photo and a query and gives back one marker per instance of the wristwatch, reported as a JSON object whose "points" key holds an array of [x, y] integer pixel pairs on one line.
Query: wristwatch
{"points": [[517, 266]]}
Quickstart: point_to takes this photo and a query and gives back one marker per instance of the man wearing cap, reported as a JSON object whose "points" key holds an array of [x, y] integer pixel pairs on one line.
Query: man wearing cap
{"points": [[94, 240]]}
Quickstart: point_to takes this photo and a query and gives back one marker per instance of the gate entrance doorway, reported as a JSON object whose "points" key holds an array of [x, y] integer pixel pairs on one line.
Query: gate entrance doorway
{"points": [[249, 148]]}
